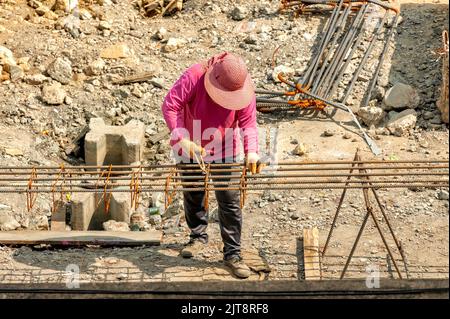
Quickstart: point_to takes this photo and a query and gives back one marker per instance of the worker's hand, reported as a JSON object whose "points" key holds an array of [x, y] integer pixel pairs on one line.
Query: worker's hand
{"points": [[253, 163], [190, 149]]}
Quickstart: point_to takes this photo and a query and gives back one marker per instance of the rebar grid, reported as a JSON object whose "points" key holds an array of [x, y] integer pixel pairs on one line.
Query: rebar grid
{"points": [[167, 178]]}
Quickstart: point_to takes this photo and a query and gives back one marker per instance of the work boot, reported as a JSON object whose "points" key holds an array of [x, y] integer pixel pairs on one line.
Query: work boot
{"points": [[192, 248], [238, 267]]}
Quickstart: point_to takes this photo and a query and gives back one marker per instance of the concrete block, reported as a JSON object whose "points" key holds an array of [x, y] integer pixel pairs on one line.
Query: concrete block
{"points": [[116, 145], [83, 208], [120, 207], [107, 145], [58, 222], [88, 212]]}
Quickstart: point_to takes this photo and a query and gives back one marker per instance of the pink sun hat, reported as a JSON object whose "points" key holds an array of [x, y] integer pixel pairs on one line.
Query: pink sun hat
{"points": [[228, 82]]}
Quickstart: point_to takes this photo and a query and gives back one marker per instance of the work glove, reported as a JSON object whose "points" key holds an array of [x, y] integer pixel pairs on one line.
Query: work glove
{"points": [[191, 149], [253, 163]]}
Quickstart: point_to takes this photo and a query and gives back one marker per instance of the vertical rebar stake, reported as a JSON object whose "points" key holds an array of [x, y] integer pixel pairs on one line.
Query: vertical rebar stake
{"points": [[206, 186]]}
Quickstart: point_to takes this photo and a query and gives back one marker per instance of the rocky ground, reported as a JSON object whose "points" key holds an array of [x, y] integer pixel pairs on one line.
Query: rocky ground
{"points": [[59, 70]]}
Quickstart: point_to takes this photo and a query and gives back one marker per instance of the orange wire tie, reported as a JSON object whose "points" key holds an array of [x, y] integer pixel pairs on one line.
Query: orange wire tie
{"points": [[135, 187], [30, 198], [168, 194], [107, 197]]}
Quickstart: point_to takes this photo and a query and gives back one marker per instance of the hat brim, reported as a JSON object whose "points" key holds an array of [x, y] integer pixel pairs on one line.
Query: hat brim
{"points": [[231, 100]]}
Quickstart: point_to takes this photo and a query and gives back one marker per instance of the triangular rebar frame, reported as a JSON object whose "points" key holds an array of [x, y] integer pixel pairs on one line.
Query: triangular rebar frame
{"points": [[370, 213]]}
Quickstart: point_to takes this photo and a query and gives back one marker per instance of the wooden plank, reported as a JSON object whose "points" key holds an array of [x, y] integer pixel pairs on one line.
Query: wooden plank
{"points": [[311, 258], [443, 102], [80, 238]]}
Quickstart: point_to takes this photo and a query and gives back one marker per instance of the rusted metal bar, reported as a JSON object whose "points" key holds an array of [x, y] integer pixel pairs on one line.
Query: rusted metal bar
{"points": [[397, 242], [327, 36], [363, 61], [377, 225], [355, 244], [358, 40], [341, 200], [108, 185], [381, 60], [339, 56], [370, 211], [309, 162], [268, 172], [366, 184], [339, 28], [303, 175], [305, 79], [248, 188], [384, 4]]}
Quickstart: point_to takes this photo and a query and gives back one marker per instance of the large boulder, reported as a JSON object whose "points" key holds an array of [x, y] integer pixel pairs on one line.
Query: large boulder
{"points": [[9, 65], [371, 115], [53, 94], [65, 5], [95, 68], [60, 70], [15, 72], [400, 123], [401, 96], [6, 56], [239, 13], [116, 51], [36, 79], [39, 222], [7, 222], [174, 44], [112, 225]]}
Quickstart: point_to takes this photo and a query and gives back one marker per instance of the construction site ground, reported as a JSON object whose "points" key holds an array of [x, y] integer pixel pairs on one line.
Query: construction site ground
{"points": [[272, 221]]}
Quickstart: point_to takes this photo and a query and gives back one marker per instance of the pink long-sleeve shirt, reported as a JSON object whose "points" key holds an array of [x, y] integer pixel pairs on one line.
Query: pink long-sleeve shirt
{"points": [[189, 112]]}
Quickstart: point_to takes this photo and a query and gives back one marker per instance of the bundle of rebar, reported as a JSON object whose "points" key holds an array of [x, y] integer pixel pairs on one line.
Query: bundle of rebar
{"points": [[342, 36], [172, 178]]}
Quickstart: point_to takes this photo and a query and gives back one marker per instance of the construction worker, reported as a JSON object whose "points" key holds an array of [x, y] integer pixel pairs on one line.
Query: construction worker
{"points": [[214, 99]]}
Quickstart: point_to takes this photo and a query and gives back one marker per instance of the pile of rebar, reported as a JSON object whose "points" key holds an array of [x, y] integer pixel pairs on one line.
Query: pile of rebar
{"points": [[216, 177], [342, 36]]}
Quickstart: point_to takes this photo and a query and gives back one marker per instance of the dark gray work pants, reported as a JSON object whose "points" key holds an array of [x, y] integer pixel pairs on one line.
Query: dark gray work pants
{"points": [[230, 214]]}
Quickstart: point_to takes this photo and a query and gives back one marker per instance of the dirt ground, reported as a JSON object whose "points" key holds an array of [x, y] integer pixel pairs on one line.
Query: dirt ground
{"points": [[272, 227]]}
